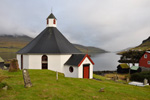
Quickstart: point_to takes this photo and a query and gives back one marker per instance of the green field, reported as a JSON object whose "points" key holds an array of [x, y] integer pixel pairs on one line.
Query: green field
{"points": [[45, 87]]}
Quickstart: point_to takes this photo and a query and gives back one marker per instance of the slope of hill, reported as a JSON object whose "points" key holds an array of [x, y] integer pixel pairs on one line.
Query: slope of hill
{"points": [[144, 46], [46, 87], [10, 43], [89, 49]]}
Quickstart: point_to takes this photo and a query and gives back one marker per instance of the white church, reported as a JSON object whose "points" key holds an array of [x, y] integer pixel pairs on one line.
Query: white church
{"points": [[51, 50]]}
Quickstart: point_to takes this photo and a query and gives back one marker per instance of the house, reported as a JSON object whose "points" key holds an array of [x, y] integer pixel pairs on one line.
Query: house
{"points": [[135, 69], [123, 68], [51, 50], [1, 63], [145, 60]]}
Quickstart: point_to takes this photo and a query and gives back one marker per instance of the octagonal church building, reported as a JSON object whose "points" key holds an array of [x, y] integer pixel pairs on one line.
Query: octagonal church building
{"points": [[51, 50]]}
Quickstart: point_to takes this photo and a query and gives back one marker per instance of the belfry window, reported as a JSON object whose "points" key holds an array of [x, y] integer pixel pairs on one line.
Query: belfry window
{"points": [[47, 21], [54, 21]]}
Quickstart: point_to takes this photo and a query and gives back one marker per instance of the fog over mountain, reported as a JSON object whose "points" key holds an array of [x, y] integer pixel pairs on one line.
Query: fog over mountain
{"points": [[109, 24]]}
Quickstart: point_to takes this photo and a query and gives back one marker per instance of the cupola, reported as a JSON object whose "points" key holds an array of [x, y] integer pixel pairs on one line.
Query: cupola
{"points": [[51, 21]]}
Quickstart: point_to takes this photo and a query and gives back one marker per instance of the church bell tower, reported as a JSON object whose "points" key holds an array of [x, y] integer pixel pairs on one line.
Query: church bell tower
{"points": [[51, 21]]}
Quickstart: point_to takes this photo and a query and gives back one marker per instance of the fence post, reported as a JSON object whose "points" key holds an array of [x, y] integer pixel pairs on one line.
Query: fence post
{"points": [[56, 75]]}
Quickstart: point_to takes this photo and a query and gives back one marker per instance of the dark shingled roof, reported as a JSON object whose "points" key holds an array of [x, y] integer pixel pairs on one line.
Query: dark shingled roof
{"points": [[49, 41], [51, 16], [75, 59]]}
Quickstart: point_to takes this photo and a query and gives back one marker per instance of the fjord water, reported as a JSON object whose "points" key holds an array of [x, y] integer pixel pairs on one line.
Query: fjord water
{"points": [[105, 61]]}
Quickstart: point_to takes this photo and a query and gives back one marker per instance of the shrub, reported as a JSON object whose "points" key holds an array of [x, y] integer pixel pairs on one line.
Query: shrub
{"points": [[140, 76], [2, 85], [14, 65]]}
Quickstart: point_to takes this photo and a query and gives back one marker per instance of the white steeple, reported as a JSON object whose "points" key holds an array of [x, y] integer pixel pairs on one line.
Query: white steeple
{"points": [[51, 21]]}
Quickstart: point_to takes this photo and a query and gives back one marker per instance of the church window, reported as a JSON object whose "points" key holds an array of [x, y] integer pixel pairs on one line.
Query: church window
{"points": [[71, 69]]}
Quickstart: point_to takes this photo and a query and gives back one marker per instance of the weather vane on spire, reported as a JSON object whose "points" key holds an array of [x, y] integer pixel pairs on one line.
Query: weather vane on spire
{"points": [[51, 9]]}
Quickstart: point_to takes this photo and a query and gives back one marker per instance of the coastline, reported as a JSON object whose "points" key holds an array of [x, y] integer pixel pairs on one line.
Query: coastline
{"points": [[103, 72]]}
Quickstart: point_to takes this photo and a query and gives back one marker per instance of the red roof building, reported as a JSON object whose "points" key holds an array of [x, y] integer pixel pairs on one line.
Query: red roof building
{"points": [[145, 60]]}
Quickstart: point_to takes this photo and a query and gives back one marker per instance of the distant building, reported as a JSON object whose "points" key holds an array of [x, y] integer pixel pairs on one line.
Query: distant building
{"points": [[123, 68], [145, 60], [1, 63], [51, 50], [135, 69]]}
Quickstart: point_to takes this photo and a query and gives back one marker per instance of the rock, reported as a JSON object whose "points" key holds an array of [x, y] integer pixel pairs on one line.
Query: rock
{"points": [[101, 90], [115, 78], [127, 79], [26, 77], [5, 87], [14, 66]]}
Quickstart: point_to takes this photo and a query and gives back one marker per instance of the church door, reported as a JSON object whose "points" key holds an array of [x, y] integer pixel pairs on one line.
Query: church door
{"points": [[44, 62], [86, 71]]}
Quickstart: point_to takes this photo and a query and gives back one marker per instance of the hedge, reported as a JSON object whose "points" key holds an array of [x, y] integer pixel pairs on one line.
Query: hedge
{"points": [[140, 76]]}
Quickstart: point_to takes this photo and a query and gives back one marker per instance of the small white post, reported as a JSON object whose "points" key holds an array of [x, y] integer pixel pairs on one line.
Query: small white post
{"points": [[145, 81], [56, 75]]}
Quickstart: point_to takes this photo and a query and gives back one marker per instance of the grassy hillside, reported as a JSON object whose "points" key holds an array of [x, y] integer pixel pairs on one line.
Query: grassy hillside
{"points": [[45, 87], [10, 43], [144, 46]]}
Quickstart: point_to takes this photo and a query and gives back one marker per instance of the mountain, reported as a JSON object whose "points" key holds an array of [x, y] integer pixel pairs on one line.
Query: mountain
{"points": [[144, 46], [12, 43], [89, 49]]}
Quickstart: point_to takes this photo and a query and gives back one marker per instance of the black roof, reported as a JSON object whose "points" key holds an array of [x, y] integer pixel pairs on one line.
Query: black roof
{"points": [[49, 41], [51, 16], [75, 59]]}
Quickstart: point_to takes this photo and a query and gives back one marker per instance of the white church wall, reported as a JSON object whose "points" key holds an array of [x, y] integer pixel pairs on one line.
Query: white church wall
{"points": [[54, 63], [64, 59], [25, 61], [67, 73], [80, 69], [35, 62], [19, 60]]}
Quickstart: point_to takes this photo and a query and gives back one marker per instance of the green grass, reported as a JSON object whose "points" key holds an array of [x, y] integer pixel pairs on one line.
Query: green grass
{"points": [[45, 87]]}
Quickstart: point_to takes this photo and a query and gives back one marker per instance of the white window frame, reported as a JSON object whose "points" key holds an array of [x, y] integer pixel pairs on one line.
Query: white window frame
{"points": [[145, 55], [148, 62]]}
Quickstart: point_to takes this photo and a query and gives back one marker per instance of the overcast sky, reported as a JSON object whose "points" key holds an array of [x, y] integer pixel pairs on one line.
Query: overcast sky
{"points": [[112, 25]]}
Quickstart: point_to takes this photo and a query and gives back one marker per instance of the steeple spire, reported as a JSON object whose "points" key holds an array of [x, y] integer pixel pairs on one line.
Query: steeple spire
{"points": [[51, 21]]}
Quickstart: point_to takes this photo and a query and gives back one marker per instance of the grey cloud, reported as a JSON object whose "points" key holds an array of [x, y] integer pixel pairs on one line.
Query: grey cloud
{"points": [[109, 24]]}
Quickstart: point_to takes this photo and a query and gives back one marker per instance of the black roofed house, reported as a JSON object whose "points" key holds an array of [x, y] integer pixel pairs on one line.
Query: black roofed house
{"points": [[51, 50], [123, 68]]}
